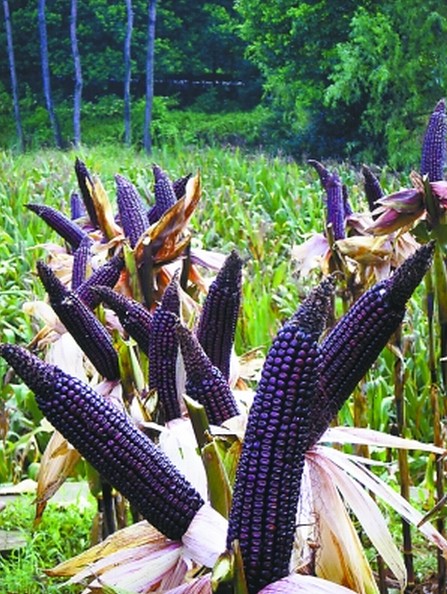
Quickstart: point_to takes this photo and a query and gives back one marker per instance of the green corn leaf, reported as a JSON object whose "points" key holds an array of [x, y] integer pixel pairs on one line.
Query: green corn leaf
{"points": [[218, 484], [199, 420], [131, 266]]}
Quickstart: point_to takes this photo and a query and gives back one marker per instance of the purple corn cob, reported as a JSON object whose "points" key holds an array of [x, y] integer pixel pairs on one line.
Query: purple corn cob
{"points": [[346, 204], [335, 206], [217, 324], [268, 477], [132, 213], [165, 196], [106, 437], [83, 175], [81, 258], [336, 198], [323, 173], [135, 318], [106, 275], [67, 229], [204, 381], [355, 342], [164, 350], [179, 185], [434, 144], [77, 207], [82, 324], [373, 189]]}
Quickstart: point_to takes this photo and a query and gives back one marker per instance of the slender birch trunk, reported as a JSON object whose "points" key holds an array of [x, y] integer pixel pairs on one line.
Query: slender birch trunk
{"points": [[77, 99], [13, 75], [46, 73], [147, 138], [128, 74]]}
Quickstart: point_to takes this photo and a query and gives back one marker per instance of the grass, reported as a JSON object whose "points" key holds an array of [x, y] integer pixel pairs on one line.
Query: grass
{"points": [[63, 532]]}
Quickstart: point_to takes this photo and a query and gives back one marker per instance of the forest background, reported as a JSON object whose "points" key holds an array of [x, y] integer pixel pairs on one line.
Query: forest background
{"points": [[351, 79]]}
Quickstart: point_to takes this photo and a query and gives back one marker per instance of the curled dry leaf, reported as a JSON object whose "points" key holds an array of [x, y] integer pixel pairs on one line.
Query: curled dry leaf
{"points": [[57, 464], [103, 208]]}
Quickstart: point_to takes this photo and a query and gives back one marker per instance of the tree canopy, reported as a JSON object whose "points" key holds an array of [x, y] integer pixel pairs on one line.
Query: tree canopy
{"points": [[348, 79]]}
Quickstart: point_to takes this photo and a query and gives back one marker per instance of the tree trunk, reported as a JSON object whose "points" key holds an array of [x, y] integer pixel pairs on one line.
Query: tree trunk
{"points": [[12, 71], [147, 139], [127, 74], [78, 74], [46, 73]]}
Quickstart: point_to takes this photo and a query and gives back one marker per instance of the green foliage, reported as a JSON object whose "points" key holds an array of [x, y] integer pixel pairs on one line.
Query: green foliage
{"points": [[193, 40], [391, 72], [293, 46], [64, 532], [349, 79], [102, 123]]}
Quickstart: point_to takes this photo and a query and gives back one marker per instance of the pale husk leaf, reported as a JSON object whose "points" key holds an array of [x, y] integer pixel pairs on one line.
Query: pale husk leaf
{"points": [[368, 514], [205, 538], [394, 500], [138, 534], [340, 557], [364, 436]]}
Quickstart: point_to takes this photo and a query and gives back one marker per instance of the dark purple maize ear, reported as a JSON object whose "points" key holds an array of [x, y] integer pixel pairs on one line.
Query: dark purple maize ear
{"points": [[355, 342], [164, 351], [106, 275], [268, 477], [335, 206], [373, 189], [108, 439], [82, 324], [65, 227], [132, 211], [434, 144], [81, 259], [84, 178], [204, 381], [323, 173], [135, 318], [77, 207], [165, 196], [220, 311], [179, 185]]}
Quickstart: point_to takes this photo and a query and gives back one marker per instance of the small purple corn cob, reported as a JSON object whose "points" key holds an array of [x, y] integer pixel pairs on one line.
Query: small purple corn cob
{"points": [[66, 228], [179, 185], [82, 324], [77, 208], [106, 275], [355, 342], [204, 381], [164, 350], [106, 437], [323, 173], [81, 258], [83, 175], [165, 196], [373, 189], [335, 206], [217, 324], [346, 204], [132, 213], [434, 144], [135, 318], [267, 486]]}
